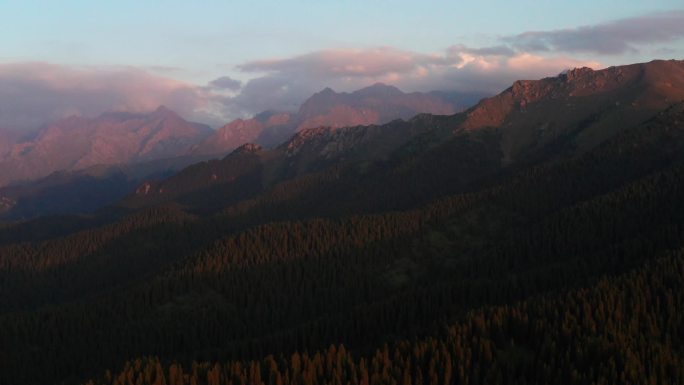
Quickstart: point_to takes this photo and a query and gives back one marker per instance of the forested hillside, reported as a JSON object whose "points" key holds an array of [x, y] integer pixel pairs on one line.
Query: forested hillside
{"points": [[443, 254]]}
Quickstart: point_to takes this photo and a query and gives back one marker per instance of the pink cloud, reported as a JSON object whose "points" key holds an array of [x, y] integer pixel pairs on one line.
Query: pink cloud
{"points": [[288, 81], [344, 62], [458, 68], [534, 63], [34, 93]]}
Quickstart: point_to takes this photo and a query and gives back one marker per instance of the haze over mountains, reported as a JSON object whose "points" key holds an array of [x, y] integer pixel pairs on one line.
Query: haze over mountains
{"points": [[117, 152], [376, 104], [77, 143], [162, 141]]}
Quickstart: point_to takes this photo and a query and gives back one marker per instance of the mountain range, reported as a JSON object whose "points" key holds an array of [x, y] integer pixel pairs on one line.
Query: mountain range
{"points": [[553, 118], [376, 104], [77, 143], [536, 237], [78, 148]]}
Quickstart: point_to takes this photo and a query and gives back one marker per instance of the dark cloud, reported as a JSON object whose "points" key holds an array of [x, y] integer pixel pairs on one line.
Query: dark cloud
{"points": [[612, 38], [226, 83]]}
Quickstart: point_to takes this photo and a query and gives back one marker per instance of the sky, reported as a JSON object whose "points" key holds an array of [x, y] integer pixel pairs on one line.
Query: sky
{"points": [[214, 61]]}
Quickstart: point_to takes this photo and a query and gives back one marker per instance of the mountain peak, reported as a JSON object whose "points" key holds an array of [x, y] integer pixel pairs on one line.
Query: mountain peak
{"points": [[248, 148], [532, 113], [271, 117], [163, 111], [264, 116], [379, 89], [325, 94], [114, 137], [304, 136], [245, 149], [576, 73], [376, 104]]}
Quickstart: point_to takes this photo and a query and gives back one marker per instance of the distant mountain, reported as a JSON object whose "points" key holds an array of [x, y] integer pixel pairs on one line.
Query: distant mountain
{"points": [[376, 104], [77, 143], [241, 131], [61, 155]]}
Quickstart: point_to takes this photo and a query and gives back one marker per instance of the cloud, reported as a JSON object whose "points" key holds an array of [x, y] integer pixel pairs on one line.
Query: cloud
{"points": [[286, 82], [499, 50], [611, 38], [496, 73], [32, 94], [289, 81], [226, 83], [344, 62]]}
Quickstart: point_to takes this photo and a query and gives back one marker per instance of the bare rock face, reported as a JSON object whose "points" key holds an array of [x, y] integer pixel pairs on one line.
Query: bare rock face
{"points": [[77, 143], [309, 136], [248, 148], [342, 116], [376, 104], [576, 73], [241, 131], [645, 82], [327, 142], [581, 103]]}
